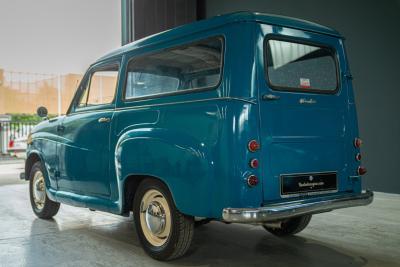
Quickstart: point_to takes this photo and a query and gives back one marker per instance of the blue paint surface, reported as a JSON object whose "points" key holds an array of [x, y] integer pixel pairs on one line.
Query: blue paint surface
{"points": [[196, 142]]}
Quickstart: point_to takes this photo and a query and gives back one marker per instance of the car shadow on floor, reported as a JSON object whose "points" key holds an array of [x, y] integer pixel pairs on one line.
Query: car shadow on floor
{"points": [[217, 244], [236, 245]]}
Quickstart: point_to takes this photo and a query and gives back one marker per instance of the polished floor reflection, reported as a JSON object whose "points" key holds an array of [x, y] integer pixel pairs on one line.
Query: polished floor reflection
{"points": [[367, 236]]}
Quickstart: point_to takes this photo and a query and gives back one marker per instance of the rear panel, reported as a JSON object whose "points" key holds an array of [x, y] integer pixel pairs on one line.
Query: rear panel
{"points": [[307, 124]]}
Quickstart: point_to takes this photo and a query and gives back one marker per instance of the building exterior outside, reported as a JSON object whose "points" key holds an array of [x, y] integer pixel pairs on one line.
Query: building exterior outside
{"points": [[23, 92]]}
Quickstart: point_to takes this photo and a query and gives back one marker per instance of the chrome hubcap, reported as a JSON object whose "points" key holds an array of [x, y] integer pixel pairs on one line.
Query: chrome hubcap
{"points": [[39, 191], [155, 217]]}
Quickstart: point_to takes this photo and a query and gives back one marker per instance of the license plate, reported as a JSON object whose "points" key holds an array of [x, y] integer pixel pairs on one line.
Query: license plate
{"points": [[308, 183]]}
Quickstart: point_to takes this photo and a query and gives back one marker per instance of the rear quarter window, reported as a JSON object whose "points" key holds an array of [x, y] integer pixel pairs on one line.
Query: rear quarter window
{"points": [[292, 66], [178, 69]]}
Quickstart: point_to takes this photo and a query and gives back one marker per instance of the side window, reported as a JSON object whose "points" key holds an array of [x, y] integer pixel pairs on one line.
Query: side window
{"points": [[193, 66], [100, 87]]}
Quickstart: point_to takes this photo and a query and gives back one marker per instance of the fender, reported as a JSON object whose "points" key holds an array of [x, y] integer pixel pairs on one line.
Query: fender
{"points": [[49, 184], [182, 162]]}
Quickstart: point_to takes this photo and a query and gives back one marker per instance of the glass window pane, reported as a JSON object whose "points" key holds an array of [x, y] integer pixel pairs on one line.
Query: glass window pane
{"points": [[192, 66], [300, 67], [102, 87]]}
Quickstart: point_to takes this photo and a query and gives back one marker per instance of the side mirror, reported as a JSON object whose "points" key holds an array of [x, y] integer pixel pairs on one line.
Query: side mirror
{"points": [[42, 112]]}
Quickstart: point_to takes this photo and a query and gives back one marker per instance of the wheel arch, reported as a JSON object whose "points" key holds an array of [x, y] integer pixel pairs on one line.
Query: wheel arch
{"points": [[131, 184], [33, 157], [30, 161], [180, 161]]}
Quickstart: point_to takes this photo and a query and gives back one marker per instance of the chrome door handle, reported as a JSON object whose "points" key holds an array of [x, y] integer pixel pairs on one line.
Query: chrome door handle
{"points": [[102, 120], [270, 97], [307, 101]]}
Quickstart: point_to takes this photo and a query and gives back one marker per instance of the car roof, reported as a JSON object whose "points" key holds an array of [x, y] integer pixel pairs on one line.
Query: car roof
{"points": [[219, 21]]}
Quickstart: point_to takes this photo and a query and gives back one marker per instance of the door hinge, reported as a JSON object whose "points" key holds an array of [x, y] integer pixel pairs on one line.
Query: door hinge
{"points": [[348, 76]]}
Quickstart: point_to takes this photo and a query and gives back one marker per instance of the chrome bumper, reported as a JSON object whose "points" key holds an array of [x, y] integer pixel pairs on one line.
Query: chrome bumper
{"points": [[285, 210]]}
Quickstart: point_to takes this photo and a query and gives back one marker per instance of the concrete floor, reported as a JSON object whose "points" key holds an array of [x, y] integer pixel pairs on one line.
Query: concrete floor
{"points": [[365, 236], [10, 170]]}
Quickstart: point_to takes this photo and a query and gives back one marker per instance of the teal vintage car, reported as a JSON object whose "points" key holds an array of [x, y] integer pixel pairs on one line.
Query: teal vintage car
{"points": [[242, 118]]}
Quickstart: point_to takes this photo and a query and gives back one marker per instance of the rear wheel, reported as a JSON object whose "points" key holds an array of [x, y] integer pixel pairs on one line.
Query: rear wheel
{"points": [[290, 226], [42, 206], [163, 231]]}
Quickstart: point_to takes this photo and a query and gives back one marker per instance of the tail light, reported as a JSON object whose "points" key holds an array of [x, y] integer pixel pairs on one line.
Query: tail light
{"points": [[361, 170], [358, 157], [253, 146], [252, 180], [11, 143], [254, 163], [357, 142]]}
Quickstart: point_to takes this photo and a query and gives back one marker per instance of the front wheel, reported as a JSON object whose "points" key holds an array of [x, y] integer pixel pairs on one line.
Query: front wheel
{"points": [[290, 226], [42, 206], [163, 231]]}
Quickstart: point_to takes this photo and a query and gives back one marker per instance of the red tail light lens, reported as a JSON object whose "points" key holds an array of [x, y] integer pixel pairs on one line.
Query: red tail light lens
{"points": [[361, 170], [253, 146], [252, 180], [358, 157], [357, 142], [254, 163]]}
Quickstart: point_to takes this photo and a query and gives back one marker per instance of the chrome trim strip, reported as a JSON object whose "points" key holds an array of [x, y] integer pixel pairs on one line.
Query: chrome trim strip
{"points": [[85, 111], [311, 193], [280, 211], [186, 102]]}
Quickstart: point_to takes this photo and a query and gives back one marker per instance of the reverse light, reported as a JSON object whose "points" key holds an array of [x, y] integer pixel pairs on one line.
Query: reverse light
{"points": [[253, 146], [252, 180], [358, 142], [361, 170]]}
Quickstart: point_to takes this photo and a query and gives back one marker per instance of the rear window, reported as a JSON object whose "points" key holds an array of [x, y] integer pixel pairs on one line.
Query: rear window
{"points": [[292, 66]]}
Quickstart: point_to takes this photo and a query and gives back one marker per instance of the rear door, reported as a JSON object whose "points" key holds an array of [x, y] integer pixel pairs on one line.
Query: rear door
{"points": [[303, 113]]}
